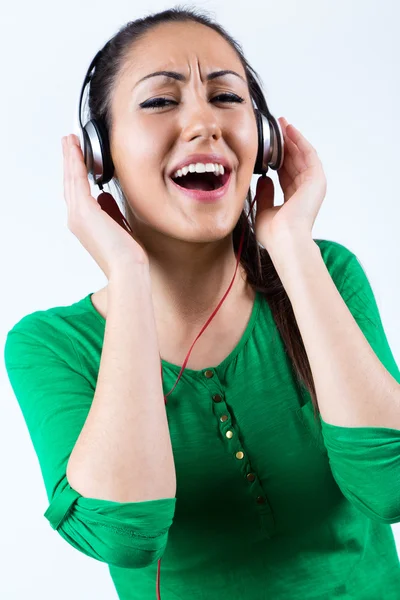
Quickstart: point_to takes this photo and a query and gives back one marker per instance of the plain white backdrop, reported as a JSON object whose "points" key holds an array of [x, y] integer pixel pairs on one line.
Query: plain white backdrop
{"points": [[330, 67]]}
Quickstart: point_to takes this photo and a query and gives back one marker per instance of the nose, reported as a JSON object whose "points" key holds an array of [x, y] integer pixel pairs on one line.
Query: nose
{"points": [[200, 120]]}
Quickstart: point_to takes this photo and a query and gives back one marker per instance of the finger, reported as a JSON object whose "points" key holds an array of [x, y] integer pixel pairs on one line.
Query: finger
{"points": [[285, 178], [292, 168], [71, 198], [65, 170], [295, 159], [71, 174], [81, 187], [69, 183], [293, 163], [283, 123], [297, 138]]}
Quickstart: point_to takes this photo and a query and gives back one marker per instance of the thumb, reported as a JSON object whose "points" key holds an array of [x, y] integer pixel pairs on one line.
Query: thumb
{"points": [[265, 193]]}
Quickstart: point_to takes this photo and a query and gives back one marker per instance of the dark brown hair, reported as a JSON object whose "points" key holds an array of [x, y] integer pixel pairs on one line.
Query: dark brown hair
{"points": [[260, 271]]}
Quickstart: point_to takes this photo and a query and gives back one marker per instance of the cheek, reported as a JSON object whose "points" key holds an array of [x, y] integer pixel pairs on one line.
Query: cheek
{"points": [[244, 144], [247, 140], [137, 149]]}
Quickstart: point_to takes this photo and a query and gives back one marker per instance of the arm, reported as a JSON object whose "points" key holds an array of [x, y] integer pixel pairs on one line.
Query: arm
{"points": [[56, 397], [124, 451], [354, 389], [356, 377]]}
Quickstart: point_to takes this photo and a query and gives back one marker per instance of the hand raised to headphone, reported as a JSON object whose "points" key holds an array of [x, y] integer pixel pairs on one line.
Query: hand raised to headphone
{"points": [[303, 183], [111, 246]]}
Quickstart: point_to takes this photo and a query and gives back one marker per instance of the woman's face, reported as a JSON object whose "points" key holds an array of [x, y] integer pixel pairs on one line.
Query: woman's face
{"points": [[146, 143]]}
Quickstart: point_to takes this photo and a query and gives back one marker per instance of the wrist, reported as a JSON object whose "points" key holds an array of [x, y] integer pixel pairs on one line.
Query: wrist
{"points": [[129, 271]]}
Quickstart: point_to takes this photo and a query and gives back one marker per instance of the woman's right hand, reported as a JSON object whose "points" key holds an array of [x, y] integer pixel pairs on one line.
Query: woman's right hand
{"points": [[111, 246]]}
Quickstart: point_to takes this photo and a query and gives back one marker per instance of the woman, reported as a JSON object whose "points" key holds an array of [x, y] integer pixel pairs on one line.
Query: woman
{"points": [[229, 478]]}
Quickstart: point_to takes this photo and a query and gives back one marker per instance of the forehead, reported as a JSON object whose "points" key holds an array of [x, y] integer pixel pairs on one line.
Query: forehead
{"points": [[181, 45]]}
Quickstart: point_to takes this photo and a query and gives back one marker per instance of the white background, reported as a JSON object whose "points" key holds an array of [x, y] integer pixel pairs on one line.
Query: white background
{"points": [[331, 68]]}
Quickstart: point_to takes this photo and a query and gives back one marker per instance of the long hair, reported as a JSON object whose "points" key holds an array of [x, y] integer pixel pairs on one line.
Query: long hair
{"points": [[260, 271]]}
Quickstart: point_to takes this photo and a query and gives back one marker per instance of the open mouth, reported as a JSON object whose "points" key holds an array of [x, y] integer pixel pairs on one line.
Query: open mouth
{"points": [[207, 181]]}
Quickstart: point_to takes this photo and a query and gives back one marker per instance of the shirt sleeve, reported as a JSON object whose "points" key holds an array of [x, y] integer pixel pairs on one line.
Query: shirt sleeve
{"points": [[365, 461], [55, 400]]}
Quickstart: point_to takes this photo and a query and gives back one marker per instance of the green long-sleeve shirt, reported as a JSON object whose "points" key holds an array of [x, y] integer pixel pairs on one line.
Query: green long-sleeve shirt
{"points": [[287, 508]]}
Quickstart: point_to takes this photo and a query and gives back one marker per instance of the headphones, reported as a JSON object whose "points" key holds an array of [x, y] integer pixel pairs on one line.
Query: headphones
{"points": [[96, 145]]}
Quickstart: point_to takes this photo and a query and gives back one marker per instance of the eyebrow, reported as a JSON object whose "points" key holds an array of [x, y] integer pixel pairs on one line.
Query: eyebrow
{"points": [[181, 77]]}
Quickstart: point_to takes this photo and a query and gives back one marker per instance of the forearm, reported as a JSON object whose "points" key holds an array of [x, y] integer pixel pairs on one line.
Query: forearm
{"points": [[353, 387], [124, 451]]}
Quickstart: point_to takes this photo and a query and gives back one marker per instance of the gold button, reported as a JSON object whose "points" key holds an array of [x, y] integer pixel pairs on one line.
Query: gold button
{"points": [[229, 434], [239, 455], [260, 500], [208, 374], [224, 418], [250, 477], [217, 398]]}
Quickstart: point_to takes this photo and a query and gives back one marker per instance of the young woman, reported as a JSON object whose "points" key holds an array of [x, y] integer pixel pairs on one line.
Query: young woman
{"points": [[271, 470]]}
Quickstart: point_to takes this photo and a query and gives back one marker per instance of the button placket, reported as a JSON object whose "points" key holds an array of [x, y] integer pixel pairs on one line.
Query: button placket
{"points": [[230, 436], [229, 432]]}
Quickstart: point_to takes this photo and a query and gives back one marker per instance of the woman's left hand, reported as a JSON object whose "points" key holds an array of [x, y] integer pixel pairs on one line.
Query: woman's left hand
{"points": [[303, 183]]}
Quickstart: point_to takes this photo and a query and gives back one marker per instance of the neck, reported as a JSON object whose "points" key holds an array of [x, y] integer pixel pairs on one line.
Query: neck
{"points": [[190, 278], [192, 299]]}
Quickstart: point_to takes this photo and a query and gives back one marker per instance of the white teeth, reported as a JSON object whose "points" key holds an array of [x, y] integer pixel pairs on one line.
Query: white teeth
{"points": [[216, 168]]}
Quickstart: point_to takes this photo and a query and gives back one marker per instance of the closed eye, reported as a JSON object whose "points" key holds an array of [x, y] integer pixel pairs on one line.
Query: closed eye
{"points": [[161, 102]]}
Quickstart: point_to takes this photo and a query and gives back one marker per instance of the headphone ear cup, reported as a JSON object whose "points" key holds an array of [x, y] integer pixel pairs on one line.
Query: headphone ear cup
{"points": [[97, 153], [87, 150], [260, 153], [270, 143]]}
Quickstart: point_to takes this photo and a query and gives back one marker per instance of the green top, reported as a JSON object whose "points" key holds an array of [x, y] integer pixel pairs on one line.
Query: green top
{"points": [[303, 513]]}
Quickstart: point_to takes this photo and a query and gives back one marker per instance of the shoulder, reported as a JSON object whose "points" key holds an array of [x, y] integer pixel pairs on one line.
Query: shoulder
{"points": [[47, 330], [333, 252], [351, 279], [338, 259]]}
